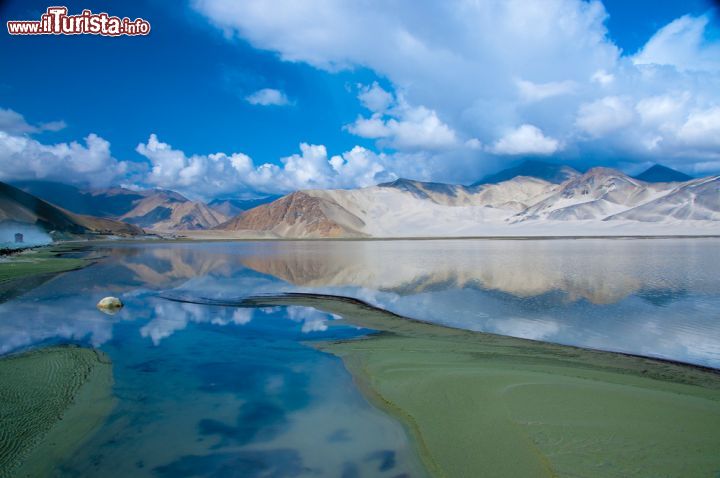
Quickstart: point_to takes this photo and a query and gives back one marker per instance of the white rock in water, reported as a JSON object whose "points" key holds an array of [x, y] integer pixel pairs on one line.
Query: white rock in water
{"points": [[110, 305]]}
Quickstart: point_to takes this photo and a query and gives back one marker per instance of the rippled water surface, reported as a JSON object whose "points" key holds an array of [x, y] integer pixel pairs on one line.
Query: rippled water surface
{"points": [[218, 391]]}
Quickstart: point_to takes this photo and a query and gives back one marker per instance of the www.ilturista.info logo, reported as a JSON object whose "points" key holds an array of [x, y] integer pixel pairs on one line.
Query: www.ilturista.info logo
{"points": [[56, 21]]}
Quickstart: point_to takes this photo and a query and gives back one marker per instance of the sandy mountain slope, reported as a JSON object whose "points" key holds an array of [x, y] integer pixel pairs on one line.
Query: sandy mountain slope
{"points": [[299, 214], [232, 207], [403, 207], [602, 201], [595, 195], [697, 200], [168, 211]]}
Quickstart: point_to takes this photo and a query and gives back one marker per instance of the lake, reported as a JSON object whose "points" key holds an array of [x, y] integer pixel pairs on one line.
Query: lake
{"points": [[208, 390]]}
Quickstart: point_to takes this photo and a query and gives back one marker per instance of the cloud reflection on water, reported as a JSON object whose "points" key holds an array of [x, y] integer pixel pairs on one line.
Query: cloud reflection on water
{"points": [[654, 297]]}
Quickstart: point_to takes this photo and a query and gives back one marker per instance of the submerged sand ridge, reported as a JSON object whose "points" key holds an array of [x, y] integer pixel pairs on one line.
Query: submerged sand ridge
{"points": [[51, 399], [485, 405]]}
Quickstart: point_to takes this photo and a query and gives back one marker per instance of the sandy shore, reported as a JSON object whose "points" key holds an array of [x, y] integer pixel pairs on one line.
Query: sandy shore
{"points": [[485, 405], [217, 235], [51, 400]]}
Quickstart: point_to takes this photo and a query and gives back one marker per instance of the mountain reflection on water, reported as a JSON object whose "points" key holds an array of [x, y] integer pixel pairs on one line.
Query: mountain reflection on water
{"points": [[652, 297]]}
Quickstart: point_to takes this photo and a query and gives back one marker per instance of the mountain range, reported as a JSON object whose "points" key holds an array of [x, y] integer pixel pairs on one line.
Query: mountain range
{"points": [[554, 173], [532, 199], [154, 209], [562, 202], [157, 210]]}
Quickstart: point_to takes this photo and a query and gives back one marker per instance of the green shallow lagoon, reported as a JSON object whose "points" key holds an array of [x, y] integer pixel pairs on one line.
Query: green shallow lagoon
{"points": [[51, 400], [484, 405]]}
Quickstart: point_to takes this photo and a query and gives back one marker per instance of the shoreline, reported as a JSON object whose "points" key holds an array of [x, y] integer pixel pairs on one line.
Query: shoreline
{"points": [[547, 405], [209, 236], [11, 251], [32, 267], [303, 298], [232, 238]]}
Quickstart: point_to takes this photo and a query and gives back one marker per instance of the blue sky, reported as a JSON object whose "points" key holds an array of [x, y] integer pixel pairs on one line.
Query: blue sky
{"points": [[431, 90]]}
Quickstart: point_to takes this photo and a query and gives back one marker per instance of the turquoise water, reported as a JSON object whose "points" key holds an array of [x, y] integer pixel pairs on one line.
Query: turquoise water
{"points": [[223, 391]]}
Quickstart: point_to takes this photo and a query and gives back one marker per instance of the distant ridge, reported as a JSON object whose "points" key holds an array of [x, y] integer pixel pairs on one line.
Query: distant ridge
{"points": [[231, 206], [658, 173], [17, 206], [554, 173], [155, 209], [420, 188]]}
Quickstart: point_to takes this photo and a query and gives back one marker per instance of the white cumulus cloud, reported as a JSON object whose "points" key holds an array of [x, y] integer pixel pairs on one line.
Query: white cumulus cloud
{"points": [[605, 115], [211, 175], [530, 91], [268, 97], [702, 129], [399, 124], [602, 77], [13, 122], [663, 110], [375, 98], [23, 157], [682, 44], [526, 139]]}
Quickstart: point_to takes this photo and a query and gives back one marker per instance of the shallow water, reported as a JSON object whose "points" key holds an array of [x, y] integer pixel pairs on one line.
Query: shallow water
{"points": [[214, 391]]}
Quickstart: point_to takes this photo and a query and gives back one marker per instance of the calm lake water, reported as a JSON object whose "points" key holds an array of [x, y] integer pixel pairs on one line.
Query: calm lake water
{"points": [[219, 391]]}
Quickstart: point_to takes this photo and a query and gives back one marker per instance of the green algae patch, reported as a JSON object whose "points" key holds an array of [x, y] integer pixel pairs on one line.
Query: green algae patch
{"points": [[485, 405], [46, 260], [51, 400], [23, 271]]}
